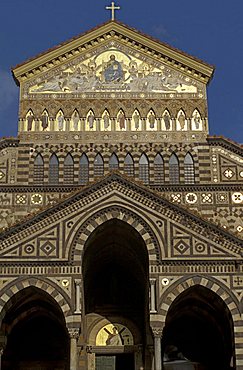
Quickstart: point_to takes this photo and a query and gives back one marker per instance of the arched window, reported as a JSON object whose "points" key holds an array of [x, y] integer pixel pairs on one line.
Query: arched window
{"points": [[144, 169], [189, 172], [98, 166], [158, 169], [38, 170], [129, 165], [174, 169], [68, 169], [84, 169], [53, 170], [113, 162]]}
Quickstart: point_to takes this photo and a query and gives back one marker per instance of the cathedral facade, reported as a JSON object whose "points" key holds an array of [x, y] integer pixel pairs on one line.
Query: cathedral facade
{"points": [[121, 219]]}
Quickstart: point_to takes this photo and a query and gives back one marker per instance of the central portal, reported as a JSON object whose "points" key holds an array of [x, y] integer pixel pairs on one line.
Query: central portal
{"points": [[115, 271]]}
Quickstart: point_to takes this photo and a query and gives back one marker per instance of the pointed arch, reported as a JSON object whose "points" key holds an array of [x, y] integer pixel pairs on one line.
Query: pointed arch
{"points": [[144, 169], [174, 170], [129, 165], [189, 170], [54, 169], [84, 169], [68, 170], [98, 166], [113, 162], [38, 173], [158, 169]]}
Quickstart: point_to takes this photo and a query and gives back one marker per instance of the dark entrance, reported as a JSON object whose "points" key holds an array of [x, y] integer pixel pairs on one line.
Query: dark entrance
{"points": [[115, 271], [36, 336], [199, 328], [114, 362]]}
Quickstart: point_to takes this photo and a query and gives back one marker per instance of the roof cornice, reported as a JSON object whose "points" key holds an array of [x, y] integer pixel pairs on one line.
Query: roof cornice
{"points": [[153, 47]]}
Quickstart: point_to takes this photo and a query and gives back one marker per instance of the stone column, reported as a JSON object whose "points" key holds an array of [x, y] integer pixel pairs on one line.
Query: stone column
{"points": [[74, 335], [152, 296], [77, 295], [157, 348]]}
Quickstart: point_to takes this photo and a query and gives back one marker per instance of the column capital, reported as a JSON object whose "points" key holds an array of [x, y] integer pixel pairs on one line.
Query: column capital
{"points": [[78, 281], [152, 281], [157, 331], [73, 333]]}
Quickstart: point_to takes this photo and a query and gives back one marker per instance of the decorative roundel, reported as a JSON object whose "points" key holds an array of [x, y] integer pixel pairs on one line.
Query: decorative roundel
{"points": [[165, 281], [191, 198], [29, 249], [200, 248], [241, 173], [65, 283], [237, 197], [239, 228]]}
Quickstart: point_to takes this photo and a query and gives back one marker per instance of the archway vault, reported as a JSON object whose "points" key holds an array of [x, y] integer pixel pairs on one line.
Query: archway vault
{"points": [[44, 285], [182, 284], [119, 213]]}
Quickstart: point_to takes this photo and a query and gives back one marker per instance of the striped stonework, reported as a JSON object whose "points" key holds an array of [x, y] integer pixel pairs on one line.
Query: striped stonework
{"points": [[44, 284], [216, 286], [119, 213]]}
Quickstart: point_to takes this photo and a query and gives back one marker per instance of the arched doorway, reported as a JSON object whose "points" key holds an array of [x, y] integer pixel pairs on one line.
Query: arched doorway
{"points": [[198, 332], [35, 331], [116, 286]]}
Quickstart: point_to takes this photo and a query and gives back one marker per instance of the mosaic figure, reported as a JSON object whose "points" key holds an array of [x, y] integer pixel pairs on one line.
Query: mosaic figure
{"points": [[151, 119], [181, 120], [166, 118], [30, 119], [60, 122], [44, 121], [196, 120], [136, 120], [75, 121], [121, 120], [106, 119], [91, 120], [113, 71]]}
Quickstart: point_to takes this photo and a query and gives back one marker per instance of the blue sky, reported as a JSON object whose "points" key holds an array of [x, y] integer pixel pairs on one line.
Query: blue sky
{"points": [[211, 30]]}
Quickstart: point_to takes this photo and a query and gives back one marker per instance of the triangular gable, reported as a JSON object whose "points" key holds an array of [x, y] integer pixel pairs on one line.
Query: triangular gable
{"points": [[114, 31], [48, 235]]}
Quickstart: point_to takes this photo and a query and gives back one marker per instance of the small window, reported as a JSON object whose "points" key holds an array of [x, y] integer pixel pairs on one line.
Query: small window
{"points": [[129, 165], [84, 170], [174, 169], [68, 172], [98, 166], [144, 169], [189, 172], [113, 162], [54, 170], [158, 169], [38, 170]]}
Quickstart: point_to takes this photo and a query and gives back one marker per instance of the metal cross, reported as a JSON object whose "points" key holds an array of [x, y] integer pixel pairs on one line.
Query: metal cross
{"points": [[113, 8]]}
